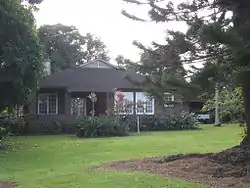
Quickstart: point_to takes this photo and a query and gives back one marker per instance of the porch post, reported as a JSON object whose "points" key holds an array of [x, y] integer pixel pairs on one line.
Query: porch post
{"points": [[134, 104], [107, 103], [67, 102], [109, 100]]}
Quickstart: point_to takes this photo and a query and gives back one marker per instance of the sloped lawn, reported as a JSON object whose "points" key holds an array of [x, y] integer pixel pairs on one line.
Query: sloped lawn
{"points": [[67, 161]]}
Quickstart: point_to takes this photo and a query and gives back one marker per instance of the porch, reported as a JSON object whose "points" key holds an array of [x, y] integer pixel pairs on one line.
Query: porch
{"points": [[54, 102]]}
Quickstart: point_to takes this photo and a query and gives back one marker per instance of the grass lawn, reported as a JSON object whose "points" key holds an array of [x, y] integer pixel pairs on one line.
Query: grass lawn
{"points": [[63, 161]]}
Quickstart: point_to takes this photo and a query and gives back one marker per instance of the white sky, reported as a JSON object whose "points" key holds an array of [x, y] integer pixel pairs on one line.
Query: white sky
{"points": [[104, 19]]}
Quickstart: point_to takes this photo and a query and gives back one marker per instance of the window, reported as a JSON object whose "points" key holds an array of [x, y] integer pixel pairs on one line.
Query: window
{"points": [[144, 104], [78, 106], [126, 107], [168, 97], [47, 104]]}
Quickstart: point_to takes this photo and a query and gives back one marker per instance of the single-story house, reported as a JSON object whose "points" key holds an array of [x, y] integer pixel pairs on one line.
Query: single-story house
{"points": [[64, 95]]}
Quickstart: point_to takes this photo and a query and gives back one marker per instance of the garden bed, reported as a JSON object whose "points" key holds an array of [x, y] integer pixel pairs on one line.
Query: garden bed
{"points": [[224, 169]]}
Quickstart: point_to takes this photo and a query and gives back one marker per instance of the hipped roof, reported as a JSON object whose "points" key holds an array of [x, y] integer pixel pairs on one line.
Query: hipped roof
{"points": [[92, 79]]}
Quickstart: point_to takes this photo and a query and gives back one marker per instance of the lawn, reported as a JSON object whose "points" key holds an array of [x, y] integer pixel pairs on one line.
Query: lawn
{"points": [[64, 161]]}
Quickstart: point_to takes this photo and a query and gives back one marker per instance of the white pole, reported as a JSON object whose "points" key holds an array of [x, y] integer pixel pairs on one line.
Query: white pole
{"points": [[217, 117], [138, 124]]}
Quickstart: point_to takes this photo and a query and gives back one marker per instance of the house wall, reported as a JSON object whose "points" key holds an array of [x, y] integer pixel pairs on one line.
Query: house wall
{"points": [[52, 123], [49, 123]]}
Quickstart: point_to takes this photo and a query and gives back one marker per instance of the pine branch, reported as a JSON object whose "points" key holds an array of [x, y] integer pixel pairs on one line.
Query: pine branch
{"points": [[125, 13]]}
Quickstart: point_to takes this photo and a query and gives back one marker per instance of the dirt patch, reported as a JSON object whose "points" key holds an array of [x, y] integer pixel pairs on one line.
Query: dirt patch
{"points": [[227, 169], [6, 185]]}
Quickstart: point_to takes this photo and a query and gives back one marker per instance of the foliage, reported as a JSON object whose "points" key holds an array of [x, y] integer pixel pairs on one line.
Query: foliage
{"points": [[3, 133], [183, 121], [21, 60], [32, 1], [65, 47], [163, 70], [94, 48], [48, 126], [124, 63], [13, 126], [231, 105], [93, 98], [98, 127], [220, 36]]}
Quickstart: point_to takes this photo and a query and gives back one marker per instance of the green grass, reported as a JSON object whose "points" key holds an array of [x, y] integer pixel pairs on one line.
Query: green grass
{"points": [[63, 161]]}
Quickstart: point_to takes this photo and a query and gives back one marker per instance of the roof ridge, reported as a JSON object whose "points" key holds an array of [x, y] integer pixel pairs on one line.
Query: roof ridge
{"points": [[95, 60]]}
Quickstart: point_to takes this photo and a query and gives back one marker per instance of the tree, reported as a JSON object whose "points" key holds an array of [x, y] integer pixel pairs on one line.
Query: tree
{"points": [[62, 45], [124, 63], [65, 47], [95, 48], [213, 35], [32, 2], [21, 59], [206, 78], [164, 72], [231, 105]]}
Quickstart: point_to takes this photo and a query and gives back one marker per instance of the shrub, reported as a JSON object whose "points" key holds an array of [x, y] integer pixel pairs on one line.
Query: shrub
{"points": [[99, 127], [184, 121], [3, 133], [13, 126]]}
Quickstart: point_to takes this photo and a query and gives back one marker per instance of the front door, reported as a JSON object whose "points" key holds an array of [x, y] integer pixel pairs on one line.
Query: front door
{"points": [[78, 106]]}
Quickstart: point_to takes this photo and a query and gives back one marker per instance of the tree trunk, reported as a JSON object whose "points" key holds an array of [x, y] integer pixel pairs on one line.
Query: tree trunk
{"points": [[246, 97]]}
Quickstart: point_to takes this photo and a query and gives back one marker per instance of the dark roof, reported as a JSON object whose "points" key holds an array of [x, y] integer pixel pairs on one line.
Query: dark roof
{"points": [[95, 79]]}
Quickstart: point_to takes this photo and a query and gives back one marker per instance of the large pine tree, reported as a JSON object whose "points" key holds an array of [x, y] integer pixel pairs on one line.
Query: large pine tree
{"points": [[218, 31]]}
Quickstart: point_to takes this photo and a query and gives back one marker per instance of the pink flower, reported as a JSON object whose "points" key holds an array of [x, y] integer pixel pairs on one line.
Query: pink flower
{"points": [[120, 96]]}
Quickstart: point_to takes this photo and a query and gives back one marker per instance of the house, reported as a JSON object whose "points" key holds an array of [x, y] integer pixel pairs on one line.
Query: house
{"points": [[64, 95]]}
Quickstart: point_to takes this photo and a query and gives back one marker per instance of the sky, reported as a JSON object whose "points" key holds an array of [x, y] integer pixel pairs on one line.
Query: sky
{"points": [[104, 19]]}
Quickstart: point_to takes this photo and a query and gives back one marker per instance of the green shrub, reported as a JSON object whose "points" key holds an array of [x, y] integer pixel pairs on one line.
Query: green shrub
{"points": [[99, 127], [3, 133], [183, 121], [13, 126]]}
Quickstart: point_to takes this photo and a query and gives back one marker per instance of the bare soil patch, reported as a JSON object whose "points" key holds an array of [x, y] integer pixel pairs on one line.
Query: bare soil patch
{"points": [[227, 169], [6, 185]]}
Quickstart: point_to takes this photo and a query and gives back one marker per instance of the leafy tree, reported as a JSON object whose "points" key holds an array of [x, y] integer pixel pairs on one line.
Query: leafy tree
{"points": [[218, 31], [95, 48], [231, 105], [124, 63], [20, 54], [64, 46]]}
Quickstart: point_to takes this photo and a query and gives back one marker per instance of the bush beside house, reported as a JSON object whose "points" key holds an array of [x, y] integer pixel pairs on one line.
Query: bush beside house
{"points": [[108, 127], [99, 127]]}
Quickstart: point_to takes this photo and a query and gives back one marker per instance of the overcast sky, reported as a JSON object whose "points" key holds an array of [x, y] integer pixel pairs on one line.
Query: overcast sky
{"points": [[104, 19]]}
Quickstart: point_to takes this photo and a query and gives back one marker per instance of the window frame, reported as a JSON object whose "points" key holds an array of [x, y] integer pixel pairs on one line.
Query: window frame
{"points": [[47, 99], [152, 100], [170, 94], [132, 111]]}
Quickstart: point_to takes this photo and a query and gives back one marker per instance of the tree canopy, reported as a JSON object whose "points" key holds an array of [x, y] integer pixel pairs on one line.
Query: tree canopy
{"points": [[124, 63], [65, 47], [230, 105], [21, 60], [218, 32]]}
